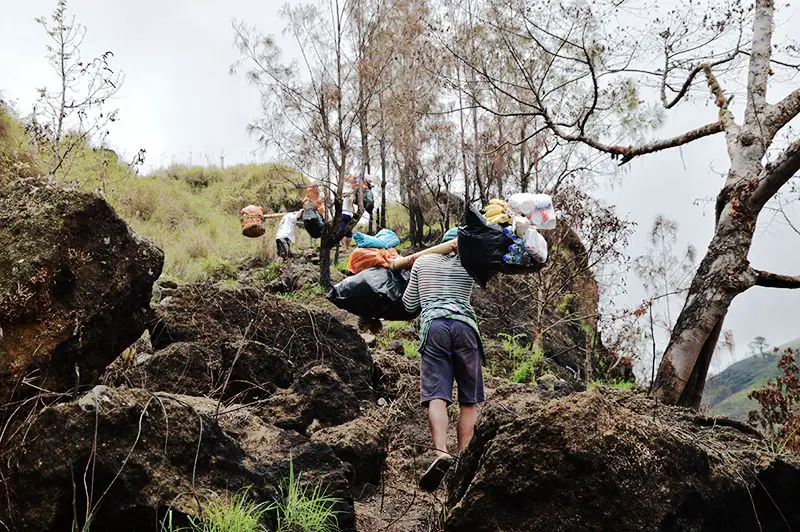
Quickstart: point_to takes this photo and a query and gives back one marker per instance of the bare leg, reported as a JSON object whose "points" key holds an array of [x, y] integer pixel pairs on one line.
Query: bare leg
{"points": [[437, 418], [467, 416]]}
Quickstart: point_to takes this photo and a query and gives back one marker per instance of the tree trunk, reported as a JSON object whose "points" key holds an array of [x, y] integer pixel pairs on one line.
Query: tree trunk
{"points": [[382, 147], [325, 263], [476, 159], [523, 175], [416, 222], [723, 274]]}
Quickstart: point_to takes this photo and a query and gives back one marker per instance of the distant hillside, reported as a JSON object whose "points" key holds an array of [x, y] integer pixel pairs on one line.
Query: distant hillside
{"points": [[726, 392]]}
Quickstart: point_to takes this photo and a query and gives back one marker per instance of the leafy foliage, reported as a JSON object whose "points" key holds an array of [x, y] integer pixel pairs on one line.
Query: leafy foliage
{"points": [[411, 349], [779, 399], [527, 359]]}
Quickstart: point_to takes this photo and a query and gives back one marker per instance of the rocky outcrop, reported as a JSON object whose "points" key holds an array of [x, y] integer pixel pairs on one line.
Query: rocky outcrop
{"points": [[206, 315], [125, 456], [197, 369], [74, 286], [607, 461], [362, 443], [317, 396]]}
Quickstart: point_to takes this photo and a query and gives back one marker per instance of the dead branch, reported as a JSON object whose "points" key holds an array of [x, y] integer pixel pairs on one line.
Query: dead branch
{"points": [[776, 280], [627, 153]]}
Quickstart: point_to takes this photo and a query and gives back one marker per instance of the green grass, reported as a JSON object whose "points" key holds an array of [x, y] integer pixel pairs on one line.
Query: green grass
{"points": [[15, 159], [527, 361], [615, 384], [235, 513], [397, 330], [305, 510], [411, 349], [298, 509]]}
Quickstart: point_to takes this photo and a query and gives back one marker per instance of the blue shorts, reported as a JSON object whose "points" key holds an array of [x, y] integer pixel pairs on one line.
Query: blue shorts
{"points": [[452, 351], [342, 224]]}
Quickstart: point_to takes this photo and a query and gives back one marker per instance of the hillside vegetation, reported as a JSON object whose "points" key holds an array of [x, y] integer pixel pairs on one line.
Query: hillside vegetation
{"points": [[191, 212], [726, 392]]}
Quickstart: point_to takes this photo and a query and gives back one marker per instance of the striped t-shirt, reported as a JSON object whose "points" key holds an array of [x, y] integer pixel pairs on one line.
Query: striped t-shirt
{"points": [[442, 288]]}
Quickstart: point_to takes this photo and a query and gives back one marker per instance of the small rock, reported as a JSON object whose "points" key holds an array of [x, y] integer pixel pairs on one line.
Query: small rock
{"points": [[370, 339], [548, 380], [167, 283], [396, 346], [313, 427]]}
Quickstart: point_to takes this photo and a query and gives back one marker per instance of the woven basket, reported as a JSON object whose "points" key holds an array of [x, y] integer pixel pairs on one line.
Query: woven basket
{"points": [[252, 217]]}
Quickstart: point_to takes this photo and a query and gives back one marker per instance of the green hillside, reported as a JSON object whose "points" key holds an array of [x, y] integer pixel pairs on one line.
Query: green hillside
{"points": [[726, 392], [192, 212]]}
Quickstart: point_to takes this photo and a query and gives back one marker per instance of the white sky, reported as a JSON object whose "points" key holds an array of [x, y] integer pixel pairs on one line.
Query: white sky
{"points": [[179, 102]]}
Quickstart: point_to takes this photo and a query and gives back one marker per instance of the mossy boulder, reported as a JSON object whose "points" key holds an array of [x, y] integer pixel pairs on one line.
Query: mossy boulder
{"points": [[75, 286]]}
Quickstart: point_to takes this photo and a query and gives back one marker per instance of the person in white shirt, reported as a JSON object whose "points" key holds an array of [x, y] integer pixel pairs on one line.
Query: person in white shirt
{"points": [[284, 237], [347, 212]]}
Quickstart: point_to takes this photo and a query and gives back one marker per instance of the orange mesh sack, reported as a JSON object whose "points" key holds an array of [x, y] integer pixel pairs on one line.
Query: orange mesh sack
{"points": [[252, 217], [363, 258]]}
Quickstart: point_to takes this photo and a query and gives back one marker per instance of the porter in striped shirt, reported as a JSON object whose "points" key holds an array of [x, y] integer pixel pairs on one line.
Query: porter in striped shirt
{"points": [[443, 288], [450, 350]]}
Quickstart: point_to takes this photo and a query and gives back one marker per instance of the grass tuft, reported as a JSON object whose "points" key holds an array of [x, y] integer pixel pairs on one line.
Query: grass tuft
{"points": [[305, 510]]}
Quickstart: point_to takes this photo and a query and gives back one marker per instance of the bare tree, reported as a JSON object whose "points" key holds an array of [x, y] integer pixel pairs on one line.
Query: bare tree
{"points": [[313, 107], [66, 118], [586, 90], [664, 274]]}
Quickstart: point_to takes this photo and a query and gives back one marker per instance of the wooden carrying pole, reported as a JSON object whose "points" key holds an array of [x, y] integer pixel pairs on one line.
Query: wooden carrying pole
{"points": [[403, 263], [273, 215]]}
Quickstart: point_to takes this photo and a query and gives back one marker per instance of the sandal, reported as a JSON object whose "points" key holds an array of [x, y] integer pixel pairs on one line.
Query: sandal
{"points": [[431, 479]]}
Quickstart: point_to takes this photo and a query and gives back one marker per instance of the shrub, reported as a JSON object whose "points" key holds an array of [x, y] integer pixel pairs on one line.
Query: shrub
{"points": [[524, 373], [779, 400], [515, 346], [527, 360]]}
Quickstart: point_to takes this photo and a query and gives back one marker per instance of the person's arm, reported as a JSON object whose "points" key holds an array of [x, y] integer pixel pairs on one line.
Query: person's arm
{"points": [[411, 295]]}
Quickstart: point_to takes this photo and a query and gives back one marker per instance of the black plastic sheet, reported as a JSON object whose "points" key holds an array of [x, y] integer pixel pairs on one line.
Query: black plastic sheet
{"points": [[481, 246], [312, 221], [373, 293]]}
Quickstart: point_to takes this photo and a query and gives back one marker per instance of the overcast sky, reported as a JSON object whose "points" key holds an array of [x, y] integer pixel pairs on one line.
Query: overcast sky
{"points": [[179, 102]]}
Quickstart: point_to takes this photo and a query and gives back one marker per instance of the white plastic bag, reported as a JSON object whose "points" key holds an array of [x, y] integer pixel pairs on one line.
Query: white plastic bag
{"points": [[537, 207], [521, 225], [536, 245]]}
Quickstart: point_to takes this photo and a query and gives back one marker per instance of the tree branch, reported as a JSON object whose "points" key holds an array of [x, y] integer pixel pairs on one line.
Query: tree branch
{"points": [[784, 111], [759, 68], [775, 175], [703, 67], [776, 280], [629, 152]]}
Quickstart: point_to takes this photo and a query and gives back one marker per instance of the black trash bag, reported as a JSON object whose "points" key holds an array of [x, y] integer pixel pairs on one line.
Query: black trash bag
{"points": [[313, 222], [373, 293], [481, 246], [369, 201]]}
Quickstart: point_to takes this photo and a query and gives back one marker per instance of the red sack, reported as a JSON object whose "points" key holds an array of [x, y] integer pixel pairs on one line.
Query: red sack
{"points": [[363, 258]]}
